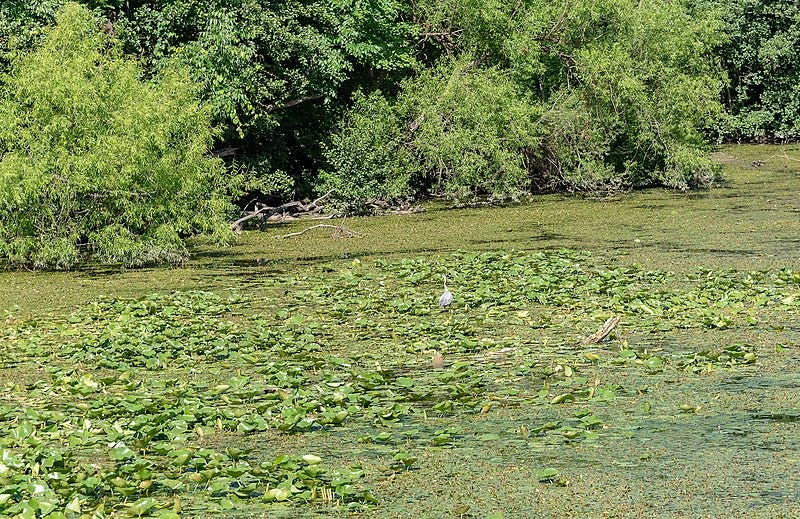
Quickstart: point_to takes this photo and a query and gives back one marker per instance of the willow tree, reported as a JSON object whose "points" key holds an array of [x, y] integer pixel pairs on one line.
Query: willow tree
{"points": [[96, 162]]}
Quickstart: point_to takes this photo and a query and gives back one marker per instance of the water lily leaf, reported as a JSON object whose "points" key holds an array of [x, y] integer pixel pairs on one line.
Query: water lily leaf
{"points": [[591, 357], [24, 430], [546, 475], [142, 506], [295, 320], [406, 382], [121, 452], [654, 364], [9, 460], [74, 505], [405, 458], [562, 398], [311, 459], [277, 494], [172, 484]]}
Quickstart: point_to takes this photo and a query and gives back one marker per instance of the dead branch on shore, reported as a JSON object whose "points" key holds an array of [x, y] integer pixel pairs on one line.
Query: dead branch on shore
{"points": [[383, 207], [295, 208]]}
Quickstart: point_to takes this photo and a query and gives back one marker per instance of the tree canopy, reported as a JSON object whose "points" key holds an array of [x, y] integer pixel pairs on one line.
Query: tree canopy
{"points": [[762, 58], [388, 100], [538, 96], [96, 162]]}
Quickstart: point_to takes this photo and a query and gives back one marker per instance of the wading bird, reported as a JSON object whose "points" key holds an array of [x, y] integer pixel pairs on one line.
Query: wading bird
{"points": [[447, 297]]}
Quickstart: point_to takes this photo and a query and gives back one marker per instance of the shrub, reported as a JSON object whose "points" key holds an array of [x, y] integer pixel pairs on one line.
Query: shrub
{"points": [[597, 95], [642, 75], [468, 129], [95, 162], [366, 157], [22, 23], [456, 130]]}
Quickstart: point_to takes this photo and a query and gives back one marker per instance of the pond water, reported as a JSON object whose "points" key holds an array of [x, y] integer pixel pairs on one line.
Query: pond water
{"points": [[659, 425], [749, 222]]}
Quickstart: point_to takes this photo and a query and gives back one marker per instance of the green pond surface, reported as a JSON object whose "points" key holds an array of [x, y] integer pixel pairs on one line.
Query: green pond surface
{"points": [[750, 221], [314, 345]]}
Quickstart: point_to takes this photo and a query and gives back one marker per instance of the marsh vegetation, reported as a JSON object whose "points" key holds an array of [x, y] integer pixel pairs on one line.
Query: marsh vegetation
{"points": [[432, 364], [296, 376]]}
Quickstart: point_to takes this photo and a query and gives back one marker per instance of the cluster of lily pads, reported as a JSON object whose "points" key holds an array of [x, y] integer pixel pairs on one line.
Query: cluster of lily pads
{"points": [[79, 444], [138, 406]]}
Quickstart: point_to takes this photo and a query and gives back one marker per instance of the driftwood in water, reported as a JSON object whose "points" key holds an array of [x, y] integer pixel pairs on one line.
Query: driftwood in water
{"points": [[603, 332], [312, 210]]}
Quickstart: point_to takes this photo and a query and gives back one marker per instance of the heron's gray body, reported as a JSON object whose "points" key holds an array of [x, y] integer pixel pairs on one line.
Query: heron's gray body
{"points": [[447, 298]]}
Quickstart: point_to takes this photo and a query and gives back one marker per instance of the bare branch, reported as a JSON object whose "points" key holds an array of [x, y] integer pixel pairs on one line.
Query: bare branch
{"points": [[293, 102], [339, 231], [603, 332], [294, 207], [225, 152]]}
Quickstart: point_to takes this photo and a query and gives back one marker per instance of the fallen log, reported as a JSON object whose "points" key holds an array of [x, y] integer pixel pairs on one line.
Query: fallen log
{"points": [[294, 208]]}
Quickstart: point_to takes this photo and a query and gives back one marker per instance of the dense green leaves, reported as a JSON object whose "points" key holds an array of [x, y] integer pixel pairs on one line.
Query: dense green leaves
{"points": [[762, 58], [365, 157], [21, 25], [278, 74], [186, 401], [479, 98], [393, 100], [596, 95], [95, 161], [453, 130]]}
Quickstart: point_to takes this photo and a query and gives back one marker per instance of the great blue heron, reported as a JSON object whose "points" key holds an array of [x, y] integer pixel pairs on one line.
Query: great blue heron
{"points": [[447, 298]]}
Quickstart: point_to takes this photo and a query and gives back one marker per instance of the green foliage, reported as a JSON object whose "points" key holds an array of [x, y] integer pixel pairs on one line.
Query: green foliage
{"points": [[762, 58], [186, 400], [650, 88], [469, 130], [466, 139], [597, 95], [155, 457], [96, 162], [22, 24], [278, 74], [366, 157], [455, 129], [474, 98]]}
